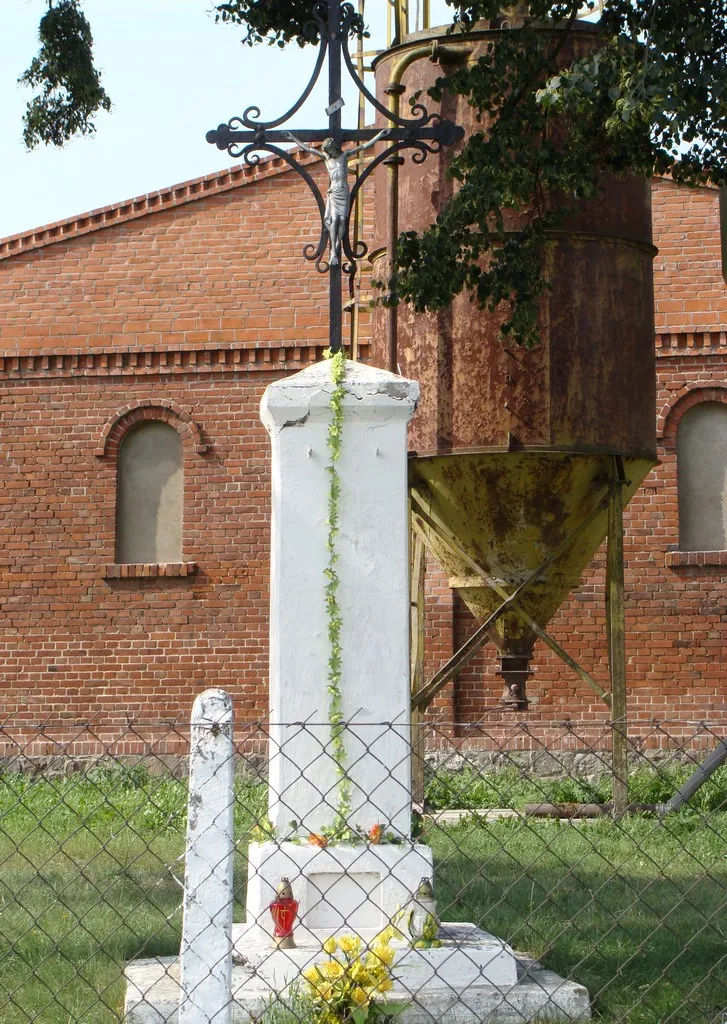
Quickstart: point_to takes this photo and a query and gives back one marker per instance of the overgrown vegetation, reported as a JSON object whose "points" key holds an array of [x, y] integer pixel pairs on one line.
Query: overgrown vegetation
{"points": [[89, 870], [334, 621], [510, 787]]}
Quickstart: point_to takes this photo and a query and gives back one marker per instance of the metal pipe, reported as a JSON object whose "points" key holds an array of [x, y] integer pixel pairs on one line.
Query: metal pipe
{"points": [[578, 810], [401, 21], [334, 85], [707, 768], [358, 210]]}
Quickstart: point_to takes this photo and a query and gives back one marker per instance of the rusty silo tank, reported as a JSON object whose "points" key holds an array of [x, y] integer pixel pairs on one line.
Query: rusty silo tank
{"points": [[517, 454]]}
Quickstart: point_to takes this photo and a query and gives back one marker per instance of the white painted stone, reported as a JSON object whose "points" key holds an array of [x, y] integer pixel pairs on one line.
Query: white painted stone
{"points": [[373, 597], [206, 949], [463, 982], [352, 889], [468, 956]]}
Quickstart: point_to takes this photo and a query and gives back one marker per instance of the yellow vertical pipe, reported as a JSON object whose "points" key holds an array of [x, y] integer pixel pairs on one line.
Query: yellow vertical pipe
{"points": [[416, 635]]}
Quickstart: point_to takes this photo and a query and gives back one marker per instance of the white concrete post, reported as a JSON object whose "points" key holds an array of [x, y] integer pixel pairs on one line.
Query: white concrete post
{"points": [[373, 596], [206, 950]]}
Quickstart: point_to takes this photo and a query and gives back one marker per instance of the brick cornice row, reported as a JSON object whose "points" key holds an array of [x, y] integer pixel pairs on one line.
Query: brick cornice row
{"points": [[141, 206], [138, 361], [669, 343], [135, 362]]}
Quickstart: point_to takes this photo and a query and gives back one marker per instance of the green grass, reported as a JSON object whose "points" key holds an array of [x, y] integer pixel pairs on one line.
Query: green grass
{"points": [[87, 882], [511, 787], [636, 911]]}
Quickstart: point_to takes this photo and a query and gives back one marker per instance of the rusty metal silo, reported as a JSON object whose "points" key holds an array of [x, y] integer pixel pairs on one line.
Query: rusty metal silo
{"points": [[521, 456]]}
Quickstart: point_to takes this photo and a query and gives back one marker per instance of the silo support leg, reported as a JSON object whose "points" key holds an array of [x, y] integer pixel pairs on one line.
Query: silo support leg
{"points": [[616, 624], [418, 738]]}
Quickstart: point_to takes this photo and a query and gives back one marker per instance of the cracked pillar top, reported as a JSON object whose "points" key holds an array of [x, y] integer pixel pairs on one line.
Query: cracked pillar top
{"points": [[369, 390]]}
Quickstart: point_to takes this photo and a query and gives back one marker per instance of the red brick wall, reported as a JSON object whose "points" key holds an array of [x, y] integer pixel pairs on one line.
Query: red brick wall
{"points": [[200, 305], [691, 294], [73, 641], [222, 271], [195, 303]]}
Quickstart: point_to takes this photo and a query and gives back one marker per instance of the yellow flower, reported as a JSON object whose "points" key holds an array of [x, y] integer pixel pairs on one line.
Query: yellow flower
{"points": [[350, 943], [360, 973], [338, 986], [359, 996], [383, 952], [388, 934], [332, 969], [320, 986]]}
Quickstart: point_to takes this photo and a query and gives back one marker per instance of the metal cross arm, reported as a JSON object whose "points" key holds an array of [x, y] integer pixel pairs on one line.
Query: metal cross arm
{"points": [[246, 136], [444, 132]]}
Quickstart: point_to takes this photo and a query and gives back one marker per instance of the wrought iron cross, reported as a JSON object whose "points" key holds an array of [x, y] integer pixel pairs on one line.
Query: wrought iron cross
{"points": [[246, 137]]}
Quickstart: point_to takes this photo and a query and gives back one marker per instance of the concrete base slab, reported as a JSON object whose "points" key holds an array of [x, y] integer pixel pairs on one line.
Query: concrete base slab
{"points": [[466, 957], [452, 984]]}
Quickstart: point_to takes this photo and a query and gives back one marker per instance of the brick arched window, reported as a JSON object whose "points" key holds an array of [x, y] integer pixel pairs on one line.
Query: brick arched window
{"points": [[702, 477], [150, 494]]}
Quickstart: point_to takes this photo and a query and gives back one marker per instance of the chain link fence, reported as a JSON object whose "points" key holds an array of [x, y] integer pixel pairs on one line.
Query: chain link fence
{"points": [[93, 826]]}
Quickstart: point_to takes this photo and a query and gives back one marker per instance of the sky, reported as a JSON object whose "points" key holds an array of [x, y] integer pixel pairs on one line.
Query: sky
{"points": [[172, 74]]}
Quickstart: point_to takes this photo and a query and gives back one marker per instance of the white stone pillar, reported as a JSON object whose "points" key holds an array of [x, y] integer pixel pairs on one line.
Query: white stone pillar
{"points": [[373, 597], [206, 949]]}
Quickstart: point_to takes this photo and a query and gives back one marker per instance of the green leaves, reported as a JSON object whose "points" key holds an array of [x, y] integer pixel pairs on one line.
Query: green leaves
{"points": [[277, 22], [649, 101], [70, 86]]}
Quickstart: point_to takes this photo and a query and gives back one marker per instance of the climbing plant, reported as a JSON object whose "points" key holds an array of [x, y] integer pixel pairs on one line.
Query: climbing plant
{"points": [[333, 611]]}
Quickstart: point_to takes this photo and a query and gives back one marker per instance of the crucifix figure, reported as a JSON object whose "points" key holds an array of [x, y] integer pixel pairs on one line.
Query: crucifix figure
{"points": [[332, 22], [338, 201]]}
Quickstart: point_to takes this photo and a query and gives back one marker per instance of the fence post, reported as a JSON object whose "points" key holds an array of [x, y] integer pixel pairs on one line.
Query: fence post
{"points": [[206, 949]]}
